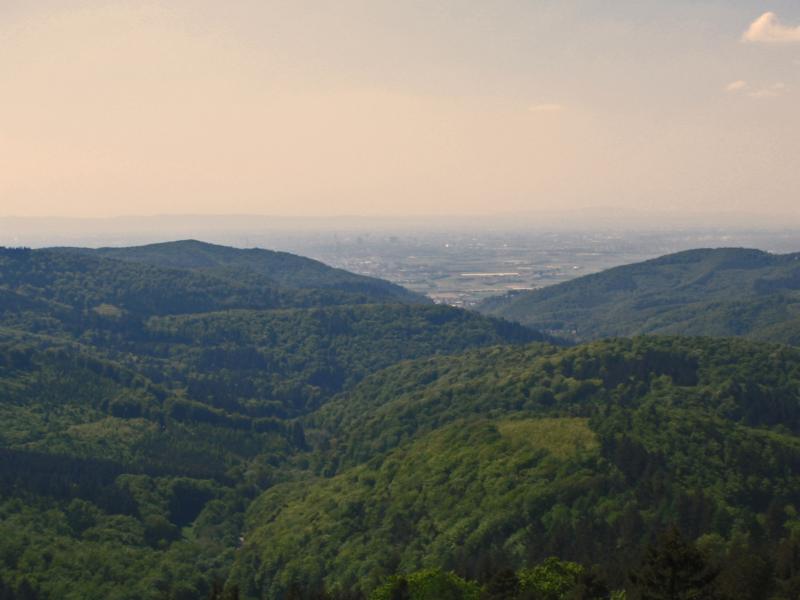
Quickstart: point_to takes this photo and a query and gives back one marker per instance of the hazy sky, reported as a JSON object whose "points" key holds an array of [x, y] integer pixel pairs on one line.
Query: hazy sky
{"points": [[380, 107]]}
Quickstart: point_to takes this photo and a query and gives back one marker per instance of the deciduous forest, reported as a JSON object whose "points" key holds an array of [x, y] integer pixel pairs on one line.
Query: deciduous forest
{"points": [[187, 421]]}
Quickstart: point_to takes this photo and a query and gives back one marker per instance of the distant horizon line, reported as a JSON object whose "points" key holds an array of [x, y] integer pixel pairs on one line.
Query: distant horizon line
{"points": [[421, 216]]}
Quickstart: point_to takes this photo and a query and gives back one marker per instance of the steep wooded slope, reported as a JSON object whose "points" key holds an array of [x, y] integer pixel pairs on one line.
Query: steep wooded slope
{"points": [[501, 457]]}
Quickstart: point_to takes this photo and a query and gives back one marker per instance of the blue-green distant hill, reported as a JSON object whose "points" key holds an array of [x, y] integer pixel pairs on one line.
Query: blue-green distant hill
{"points": [[717, 292]]}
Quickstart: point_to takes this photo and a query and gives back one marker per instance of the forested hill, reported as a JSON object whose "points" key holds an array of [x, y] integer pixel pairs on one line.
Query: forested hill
{"points": [[171, 432], [488, 463], [142, 408], [283, 268], [719, 292]]}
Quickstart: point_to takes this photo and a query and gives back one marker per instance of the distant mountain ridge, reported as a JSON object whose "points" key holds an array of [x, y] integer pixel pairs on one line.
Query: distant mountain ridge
{"points": [[283, 268], [718, 292]]}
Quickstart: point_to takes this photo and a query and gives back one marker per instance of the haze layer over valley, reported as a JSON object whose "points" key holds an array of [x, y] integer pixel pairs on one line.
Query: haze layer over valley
{"points": [[455, 261]]}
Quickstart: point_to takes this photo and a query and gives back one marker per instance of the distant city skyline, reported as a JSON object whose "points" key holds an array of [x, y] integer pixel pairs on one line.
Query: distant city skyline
{"points": [[381, 109]]}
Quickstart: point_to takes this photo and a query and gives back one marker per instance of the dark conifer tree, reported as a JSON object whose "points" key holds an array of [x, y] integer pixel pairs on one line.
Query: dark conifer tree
{"points": [[673, 569], [503, 586], [400, 591], [591, 586], [298, 436], [294, 593], [25, 591], [232, 593], [6, 592]]}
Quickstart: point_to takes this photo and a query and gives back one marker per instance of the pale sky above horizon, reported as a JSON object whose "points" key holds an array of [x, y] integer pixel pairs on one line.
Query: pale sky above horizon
{"points": [[379, 107]]}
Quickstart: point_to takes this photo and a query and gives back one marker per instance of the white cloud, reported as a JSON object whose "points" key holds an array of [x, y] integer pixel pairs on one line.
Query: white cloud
{"points": [[766, 29], [765, 93], [740, 86], [736, 86], [546, 108], [773, 91]]}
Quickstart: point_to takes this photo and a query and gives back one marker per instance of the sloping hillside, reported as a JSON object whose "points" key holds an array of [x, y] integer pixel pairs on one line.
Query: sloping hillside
{"points": [[143, 407], [241, 344], [720, 292], [500, 458]]}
